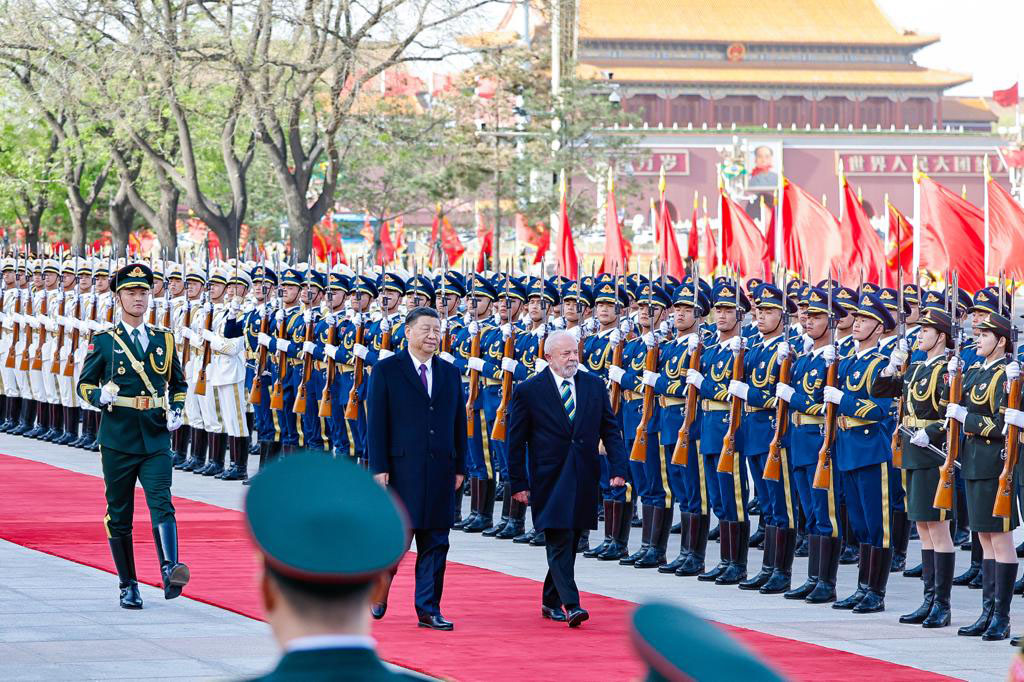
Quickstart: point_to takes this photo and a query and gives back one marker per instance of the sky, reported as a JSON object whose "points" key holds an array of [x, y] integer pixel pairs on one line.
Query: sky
{"points": [[981, 37]]}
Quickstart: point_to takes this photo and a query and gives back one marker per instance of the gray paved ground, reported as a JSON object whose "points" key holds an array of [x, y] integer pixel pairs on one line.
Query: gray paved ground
{"points": [[877, 635]]}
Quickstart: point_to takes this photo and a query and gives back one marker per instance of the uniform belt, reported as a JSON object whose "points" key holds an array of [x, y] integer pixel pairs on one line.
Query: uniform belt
{"points": [[346, 368], [670, 401], [713, 405], [632, 395], [251, 355], [751, 408], [917, 423], [846, 423], [492, 382], [140, 402], [803, 419]]}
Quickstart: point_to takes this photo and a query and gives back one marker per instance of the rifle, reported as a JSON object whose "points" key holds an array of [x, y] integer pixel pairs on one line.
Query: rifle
{"points": [[639, 451], [1002, 506], [166, 321], [352, 406], [26, 362], [727, 460], [446, 337], [822, 473], [61, 310], [498, 431], [69, 365], [944, 491], [277, 392], [773, 466], [681, 452], [325, 395], [616, 391], [37, 361], [17, 313], [901, 326], [474, 375], [256, 392], [208, 325], [299, 407]]}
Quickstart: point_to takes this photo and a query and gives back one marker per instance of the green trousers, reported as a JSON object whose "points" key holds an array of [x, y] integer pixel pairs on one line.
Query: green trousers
{"points": [[120, 471]]}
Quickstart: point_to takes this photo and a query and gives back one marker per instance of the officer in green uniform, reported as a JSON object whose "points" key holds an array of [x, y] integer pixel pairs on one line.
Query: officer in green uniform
{"points": [[132, 375], [316, 595]]}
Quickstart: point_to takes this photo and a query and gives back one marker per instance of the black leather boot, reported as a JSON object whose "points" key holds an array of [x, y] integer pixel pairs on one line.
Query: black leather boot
{"points": [[124, 561], [881, 567], [647, 516], [485, 518], [474, 505], [939, 615], [180, 441], [726, 554], [70, 432], [197, 453], [900, 540], [999, 625], [217, 455], [526, 537], [739, 538], [917, 616], [593, 552], [584, 542], [506, 506], [538, 539], [516, 521], [756, 581], [988, 591], [715, 534], [961, 533], [264, 447], [975, 568], [785, 550], [757, 540], [27, 414], [239, 470], [851, 550], [684, 543], [813, 558], [458, 503], [11, 414], [175, 574], [40, 419], [661, 524], [697, 535], [829, 549], [863, 577], [56, 417], [619, 546]]}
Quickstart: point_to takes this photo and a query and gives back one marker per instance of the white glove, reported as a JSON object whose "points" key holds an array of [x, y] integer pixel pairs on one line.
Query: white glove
{"points": [[385, 324], [648, 339], [174, 420], [307, 315], [625, 327], [330, 351], [65, 352], [739, 389], [899, 355], [692, 340], [508, 365], [33, 322], [575, 332], [188, 334], [957, 412], [506, 331], [736, 344], [664, 328], [808, 343], [217, 344], [384, 354], [615, 337], [106, 397], [541, 331], [784, 392], [694, 378], [234, 308], [308, 347], [783, 350], [360, 351], [476, 364], [283, 345], [615, 373], [279, 316], [592, 325], [207, 307], [953, 364], [447, 357], [474, 328], [357, 319], [330, 319], [650, 378], [208, 335], [263, 339], [920, 438], [829, 353], [1012, 370], [833, 395], [541, 364], [444, 325], [1015, 417]]}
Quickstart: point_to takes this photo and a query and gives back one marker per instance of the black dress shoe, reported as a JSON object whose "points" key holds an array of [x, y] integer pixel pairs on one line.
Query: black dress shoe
{"points": [[378, 610], [849, 555], [914, 572], [435, 622], [551, 613], [715, 534], [576, 615], [130, 597]]}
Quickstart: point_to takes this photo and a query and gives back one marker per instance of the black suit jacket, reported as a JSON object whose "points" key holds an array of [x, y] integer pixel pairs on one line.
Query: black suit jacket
{"points": [[562, 471], [314, 665], [419, 440]]}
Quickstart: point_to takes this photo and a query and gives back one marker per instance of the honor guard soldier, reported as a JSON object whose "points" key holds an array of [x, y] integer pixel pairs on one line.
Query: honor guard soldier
{"points": [[327, 334], [391, 288], [133, 375], [316, 595], [353, 377], [10, 407], [311, 426], [288, 318]]}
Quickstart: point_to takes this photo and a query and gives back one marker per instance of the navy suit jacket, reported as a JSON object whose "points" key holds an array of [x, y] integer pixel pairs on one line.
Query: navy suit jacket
{"points": [[419, 440], [557, 461]]}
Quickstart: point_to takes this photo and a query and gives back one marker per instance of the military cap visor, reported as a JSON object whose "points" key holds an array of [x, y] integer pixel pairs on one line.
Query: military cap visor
{"points": [[133, 276], [997, 324], [941, 322], [870, 306], [816, 301], [343, 528]]}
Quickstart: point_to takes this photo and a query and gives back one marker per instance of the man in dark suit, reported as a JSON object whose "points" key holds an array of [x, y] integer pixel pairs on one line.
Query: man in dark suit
{"points": [[556, 419], [416, 444]]}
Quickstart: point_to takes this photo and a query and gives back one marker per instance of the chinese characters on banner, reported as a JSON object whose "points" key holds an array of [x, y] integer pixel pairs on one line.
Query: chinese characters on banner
{"points": [[932, 163], [674, 163]]}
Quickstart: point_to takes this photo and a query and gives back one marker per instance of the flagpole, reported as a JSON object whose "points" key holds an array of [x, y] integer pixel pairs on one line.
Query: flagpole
{"points": [[986, 232], [916, 261]]}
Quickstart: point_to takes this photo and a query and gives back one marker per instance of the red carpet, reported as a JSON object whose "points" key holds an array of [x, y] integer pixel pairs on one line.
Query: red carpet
{"points": [[499, 634]]}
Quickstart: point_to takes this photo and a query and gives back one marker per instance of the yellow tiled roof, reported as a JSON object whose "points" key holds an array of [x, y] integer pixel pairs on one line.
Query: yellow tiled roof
{"points": [[967, 109], [913, 77], [843, 22]]}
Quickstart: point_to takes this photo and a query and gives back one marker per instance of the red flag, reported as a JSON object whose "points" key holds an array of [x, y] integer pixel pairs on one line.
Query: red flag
{"points": [[568, 265], [811, 241], [743, 244], [486, 249], [386, 252], [442, 230], [692, 240], [666, 237], [900, 251], [951, 234], [862, 249], [1007, 97], [616, 253], [1005, 231], [543, 242], [709, 246]]}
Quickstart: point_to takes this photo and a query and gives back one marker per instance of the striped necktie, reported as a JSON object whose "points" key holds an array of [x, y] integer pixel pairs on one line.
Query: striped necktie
{"points": [[567, 401]]}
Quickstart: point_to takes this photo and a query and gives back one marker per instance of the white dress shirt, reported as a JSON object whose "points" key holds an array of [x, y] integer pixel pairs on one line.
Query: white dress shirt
{"points": [[319, 642], [416, 363], [143, 334]]}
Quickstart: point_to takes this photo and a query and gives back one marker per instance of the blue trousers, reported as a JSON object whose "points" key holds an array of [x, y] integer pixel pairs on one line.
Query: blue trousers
{"points": [[313, 425], [713, 485], [755, 465], [867, 504], [657, 490], [622, 493], [735, 490], [499, 456], [431, 559], [785, 501], [693, 492], [821, 507]]}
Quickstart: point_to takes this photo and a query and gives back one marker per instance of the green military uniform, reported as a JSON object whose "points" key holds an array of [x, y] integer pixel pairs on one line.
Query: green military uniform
{"points": [[134, 438], [339, 500]]}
